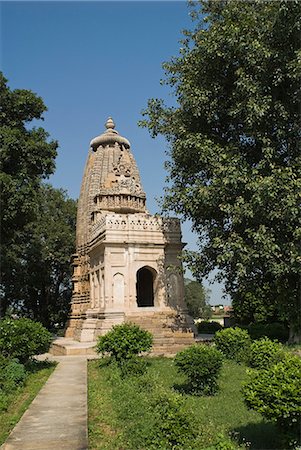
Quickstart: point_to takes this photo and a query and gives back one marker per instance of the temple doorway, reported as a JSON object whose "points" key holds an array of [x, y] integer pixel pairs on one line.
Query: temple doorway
{"points": [[145, 287]]}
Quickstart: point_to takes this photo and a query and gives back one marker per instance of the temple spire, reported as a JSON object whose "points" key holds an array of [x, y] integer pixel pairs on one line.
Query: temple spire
{"points": [[110, 124]]}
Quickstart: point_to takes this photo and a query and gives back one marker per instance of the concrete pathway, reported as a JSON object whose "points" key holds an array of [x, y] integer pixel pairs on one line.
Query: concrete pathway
{"points": [[57, 417]]}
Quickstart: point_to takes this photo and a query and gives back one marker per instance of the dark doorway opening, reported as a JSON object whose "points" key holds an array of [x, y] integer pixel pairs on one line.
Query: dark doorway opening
{"points": [[145, 287]]}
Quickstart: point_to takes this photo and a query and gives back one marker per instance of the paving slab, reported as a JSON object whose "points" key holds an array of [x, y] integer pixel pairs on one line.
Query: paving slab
{"points": [[57, 418]]}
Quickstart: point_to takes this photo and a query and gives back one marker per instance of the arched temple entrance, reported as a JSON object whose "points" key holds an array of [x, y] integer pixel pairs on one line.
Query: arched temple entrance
{"points": [[145, 287]]}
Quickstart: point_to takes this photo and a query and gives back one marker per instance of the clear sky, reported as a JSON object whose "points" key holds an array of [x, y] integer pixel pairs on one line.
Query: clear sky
{"points": [[91, 60]]}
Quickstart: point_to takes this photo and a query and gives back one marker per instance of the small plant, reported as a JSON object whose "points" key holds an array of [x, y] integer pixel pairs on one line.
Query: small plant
{"points": [[207, 327], [174, 426], [264, 353], [23, 338], [201, 364], [276, 394], [123, 343], [12, 375], [234, 343], [225, 443], [133, 366]]}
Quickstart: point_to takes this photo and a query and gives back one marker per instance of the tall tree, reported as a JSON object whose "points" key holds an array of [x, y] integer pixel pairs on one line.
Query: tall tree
{"points": [[196, 298], [37, 222], [235, 161], [41, 283]]}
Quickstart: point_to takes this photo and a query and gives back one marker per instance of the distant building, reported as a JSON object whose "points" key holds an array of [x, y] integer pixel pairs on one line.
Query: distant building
{"points": [[217, 309]]}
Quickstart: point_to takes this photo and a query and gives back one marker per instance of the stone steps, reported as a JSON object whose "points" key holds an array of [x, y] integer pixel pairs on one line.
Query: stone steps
{"points": [[167, 340]]}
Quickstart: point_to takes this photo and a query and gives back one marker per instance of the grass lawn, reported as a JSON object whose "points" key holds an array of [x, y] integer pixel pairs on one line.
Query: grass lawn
{"points": [[120, 411], [23, 396]]}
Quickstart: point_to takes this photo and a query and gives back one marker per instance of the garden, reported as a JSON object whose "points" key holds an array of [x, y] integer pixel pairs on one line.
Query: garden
{"points": [[235, 394]]}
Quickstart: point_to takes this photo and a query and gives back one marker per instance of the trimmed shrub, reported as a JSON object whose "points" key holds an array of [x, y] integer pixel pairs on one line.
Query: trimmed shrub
{"points": [[201, 364], [207, 327], [276, 394], [234, 343], [264, 353], [23, 338], [272, 331], [123, 343]]}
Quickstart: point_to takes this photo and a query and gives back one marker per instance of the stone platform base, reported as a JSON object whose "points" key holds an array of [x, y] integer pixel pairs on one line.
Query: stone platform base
{"points": [[171, 332], [69, 347]]}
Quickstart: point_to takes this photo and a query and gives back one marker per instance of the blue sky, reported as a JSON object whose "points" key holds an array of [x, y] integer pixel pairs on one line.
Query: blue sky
{"points": [[91, 60]]}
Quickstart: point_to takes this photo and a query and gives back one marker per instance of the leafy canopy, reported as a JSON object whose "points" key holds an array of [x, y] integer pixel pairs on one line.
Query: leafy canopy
{"points": [[235, 162], [40, 285], [37, 221]]}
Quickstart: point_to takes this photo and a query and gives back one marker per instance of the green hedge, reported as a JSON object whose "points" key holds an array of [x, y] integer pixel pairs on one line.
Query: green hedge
{"points": [[208, 327], [273, 331]]}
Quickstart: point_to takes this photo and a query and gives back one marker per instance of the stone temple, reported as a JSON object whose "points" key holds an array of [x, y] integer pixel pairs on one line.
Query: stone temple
{"points": [[126, 266]]}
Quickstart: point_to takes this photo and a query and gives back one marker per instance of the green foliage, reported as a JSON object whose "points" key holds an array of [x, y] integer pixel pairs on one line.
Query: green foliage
{"points": [[207, 327], [270, 330], [235, 164], [37, 221], [196, 298], [201, 364], [121, 411], [264, 353], [42, 289], [152, 416], [12, 375], [224, 443], [136, 366], [26, 158], [234, 343], [23, 338], [174, 426], [276, 394], [123, 343]]}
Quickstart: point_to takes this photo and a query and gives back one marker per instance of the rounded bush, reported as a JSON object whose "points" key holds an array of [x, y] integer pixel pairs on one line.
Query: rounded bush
{"points": [[201, 364], [234, 343], [276, 394], [264, 353], [208, 327], [125, 341], [23, 338]]}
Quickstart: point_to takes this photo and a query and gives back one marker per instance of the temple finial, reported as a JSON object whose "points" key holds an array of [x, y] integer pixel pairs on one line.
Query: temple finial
{"points": [[110, 125]]}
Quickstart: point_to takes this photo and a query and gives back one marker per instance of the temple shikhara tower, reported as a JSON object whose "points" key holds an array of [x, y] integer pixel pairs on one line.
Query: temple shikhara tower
{"points": [[126, 266]]}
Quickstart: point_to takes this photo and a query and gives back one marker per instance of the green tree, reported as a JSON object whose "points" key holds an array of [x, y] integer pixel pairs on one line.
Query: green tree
{"points": [[26, 158], [235, 161], [41, 284], [196, 298]]}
